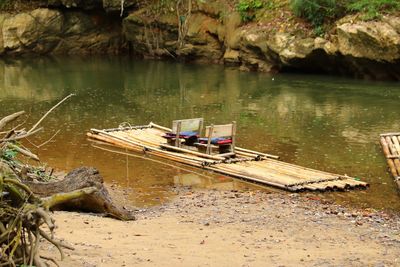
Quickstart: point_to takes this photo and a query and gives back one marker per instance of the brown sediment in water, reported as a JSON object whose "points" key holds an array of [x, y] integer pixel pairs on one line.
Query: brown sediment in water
{"points": [[319, 122]]}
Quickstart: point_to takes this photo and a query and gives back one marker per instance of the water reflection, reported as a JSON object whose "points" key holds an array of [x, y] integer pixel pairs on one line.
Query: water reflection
{"points": [[319, 122]]}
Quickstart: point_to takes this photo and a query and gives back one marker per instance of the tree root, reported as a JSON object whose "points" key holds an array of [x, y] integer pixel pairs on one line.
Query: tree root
{"points": [[24, 205]]}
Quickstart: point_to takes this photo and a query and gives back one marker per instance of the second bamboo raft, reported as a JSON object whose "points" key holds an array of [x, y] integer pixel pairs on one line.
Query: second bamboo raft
{"points": [[249, 165], [390, 143]]}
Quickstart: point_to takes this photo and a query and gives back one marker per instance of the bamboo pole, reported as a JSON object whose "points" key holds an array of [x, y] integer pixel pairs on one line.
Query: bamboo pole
{"points": [[397, 165], [389, 134], [310, 172], [396, 143], [269, 172], [385, 147], [152, 124], [247, 178], [392, 168], [127, 128], [392, 157], [292, 187], [281, 164], [113, 141], [155, 131], [236, 148], [301, 177], [256, 152], [227, 154], [144, 138], [387, 153], [159, 137], [140, 136], [150, 148], [397, 180], [192, 152], [140, 149], [271, 176], [332, 186], [393, 150], [136, 138], [304, 177], [164, 145], [298, 172], [241, 153], [294, 170]]}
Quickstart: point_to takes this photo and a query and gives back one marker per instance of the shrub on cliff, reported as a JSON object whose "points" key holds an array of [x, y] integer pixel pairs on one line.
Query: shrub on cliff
{"points": [[5, 4], [247, 8], [316, 11], [319, 12], [372, 9]]}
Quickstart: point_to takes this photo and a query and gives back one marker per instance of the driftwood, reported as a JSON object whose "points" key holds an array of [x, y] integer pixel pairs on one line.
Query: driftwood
{"points": [[26, 198], [84, 177]]}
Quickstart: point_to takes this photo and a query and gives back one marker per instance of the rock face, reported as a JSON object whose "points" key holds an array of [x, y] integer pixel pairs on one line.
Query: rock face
{"points": [[361, 49], [211, 32], [107, 5], [371, 40], [115, 5], [82, 4], [49, 31]]}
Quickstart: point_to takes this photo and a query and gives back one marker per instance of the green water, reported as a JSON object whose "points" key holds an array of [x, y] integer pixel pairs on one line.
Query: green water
{"points": [[326, 123]]}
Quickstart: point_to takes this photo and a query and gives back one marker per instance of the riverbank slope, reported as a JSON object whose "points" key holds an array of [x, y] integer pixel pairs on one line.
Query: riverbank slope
{"points": [[230, 228]]}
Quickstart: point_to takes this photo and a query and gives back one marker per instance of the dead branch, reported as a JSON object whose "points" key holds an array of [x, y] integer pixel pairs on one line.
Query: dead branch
{"points": [[24, 152], [48, 112], [4, 121], [20, 136], [24, 217]]}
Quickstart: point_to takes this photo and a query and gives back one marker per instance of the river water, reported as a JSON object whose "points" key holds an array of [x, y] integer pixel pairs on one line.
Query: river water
{"points": [[322, 122]]}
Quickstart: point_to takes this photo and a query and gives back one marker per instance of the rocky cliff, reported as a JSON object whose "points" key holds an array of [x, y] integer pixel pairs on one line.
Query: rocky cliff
{"points": [[205, 32]]}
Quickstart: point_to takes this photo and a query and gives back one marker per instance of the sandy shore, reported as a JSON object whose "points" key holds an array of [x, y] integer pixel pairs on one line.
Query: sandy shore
{"points": [[225, 228]]}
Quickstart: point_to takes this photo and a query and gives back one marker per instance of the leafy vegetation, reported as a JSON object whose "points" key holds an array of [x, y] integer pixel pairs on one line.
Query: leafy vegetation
{"points": [[248, 8], [319, 12], [315, 11], [372, 9], [5, 4]]}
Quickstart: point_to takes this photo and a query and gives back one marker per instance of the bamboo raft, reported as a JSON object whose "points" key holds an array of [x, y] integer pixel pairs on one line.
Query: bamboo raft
{"points": [[253, 166], [390, 143]]}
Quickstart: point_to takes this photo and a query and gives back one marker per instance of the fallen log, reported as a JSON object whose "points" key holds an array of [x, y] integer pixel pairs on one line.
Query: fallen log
{"points": [[84, 177]]}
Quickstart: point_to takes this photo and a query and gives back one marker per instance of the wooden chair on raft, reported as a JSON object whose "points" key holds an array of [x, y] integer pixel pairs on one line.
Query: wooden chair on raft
{"points": [[221, 137], [189, 131]]}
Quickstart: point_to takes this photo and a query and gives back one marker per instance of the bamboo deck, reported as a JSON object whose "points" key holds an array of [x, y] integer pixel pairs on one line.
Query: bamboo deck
{"points": [[248, 165], [390, 143]]}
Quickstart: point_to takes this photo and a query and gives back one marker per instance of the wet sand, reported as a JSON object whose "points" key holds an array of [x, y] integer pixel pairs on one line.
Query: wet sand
{"points": [[230, 228]]}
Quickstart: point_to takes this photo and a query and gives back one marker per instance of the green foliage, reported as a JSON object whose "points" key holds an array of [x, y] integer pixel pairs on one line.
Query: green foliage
{"points": [[319, 30], [247, 8], [319, 12], [373, 9], [5, 4], [9, 154], [315, 11]]}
